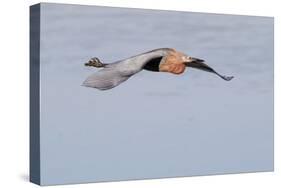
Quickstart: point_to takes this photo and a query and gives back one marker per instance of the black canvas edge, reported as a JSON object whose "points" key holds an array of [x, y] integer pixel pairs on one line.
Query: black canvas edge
{"points": [[34, 80]]}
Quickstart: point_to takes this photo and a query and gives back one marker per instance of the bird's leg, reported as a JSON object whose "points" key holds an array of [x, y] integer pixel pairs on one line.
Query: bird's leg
{"points": [[95, 62]]}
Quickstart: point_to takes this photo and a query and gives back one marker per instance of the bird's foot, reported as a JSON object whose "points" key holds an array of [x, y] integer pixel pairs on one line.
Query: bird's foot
{"points": [[94, 62]]}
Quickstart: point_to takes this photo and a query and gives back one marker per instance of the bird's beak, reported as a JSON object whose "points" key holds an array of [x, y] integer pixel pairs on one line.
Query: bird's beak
{"points": [[196, 60], [193, 60]]}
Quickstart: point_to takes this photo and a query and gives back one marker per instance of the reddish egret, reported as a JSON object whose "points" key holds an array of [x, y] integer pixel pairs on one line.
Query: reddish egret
{"points": [[158, 60]]}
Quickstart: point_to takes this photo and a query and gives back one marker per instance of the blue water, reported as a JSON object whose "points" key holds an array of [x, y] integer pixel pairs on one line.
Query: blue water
{"points": [[155, 124]]}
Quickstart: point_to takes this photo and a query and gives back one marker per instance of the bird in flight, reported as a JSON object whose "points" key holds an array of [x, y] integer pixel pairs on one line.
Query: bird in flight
{"points": [[158, 60]]}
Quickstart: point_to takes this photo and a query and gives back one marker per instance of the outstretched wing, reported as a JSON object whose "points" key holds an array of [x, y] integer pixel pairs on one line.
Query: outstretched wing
{"points": [[205, 67], [115, 73], [106, 78]]}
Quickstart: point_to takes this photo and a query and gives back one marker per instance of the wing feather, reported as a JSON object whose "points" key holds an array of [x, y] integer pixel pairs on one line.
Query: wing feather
{"points": [[205, 67], [105, 79]]}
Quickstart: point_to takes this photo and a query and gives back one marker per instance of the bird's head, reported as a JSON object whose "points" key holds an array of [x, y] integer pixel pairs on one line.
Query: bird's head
{"points": [[188, 59], [95, 62]]}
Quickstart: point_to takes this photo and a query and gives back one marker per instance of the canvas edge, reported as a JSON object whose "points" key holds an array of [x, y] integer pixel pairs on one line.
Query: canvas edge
{"points": [[34, 80]]}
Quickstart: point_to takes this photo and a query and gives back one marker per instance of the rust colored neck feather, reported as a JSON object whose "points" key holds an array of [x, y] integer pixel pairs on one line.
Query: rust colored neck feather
{"points": [[173, 63]]}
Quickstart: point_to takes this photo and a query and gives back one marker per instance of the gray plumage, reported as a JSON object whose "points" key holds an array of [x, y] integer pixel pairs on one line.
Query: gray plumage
{"points": [[115, 73], [158, 60]]}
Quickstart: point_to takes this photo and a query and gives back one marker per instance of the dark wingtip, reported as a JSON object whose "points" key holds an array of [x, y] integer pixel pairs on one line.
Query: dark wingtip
{"points": [[227, 78]]}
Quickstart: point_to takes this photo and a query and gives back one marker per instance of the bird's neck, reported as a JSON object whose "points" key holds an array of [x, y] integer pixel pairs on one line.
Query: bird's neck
{"points": [[146, 57]]}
